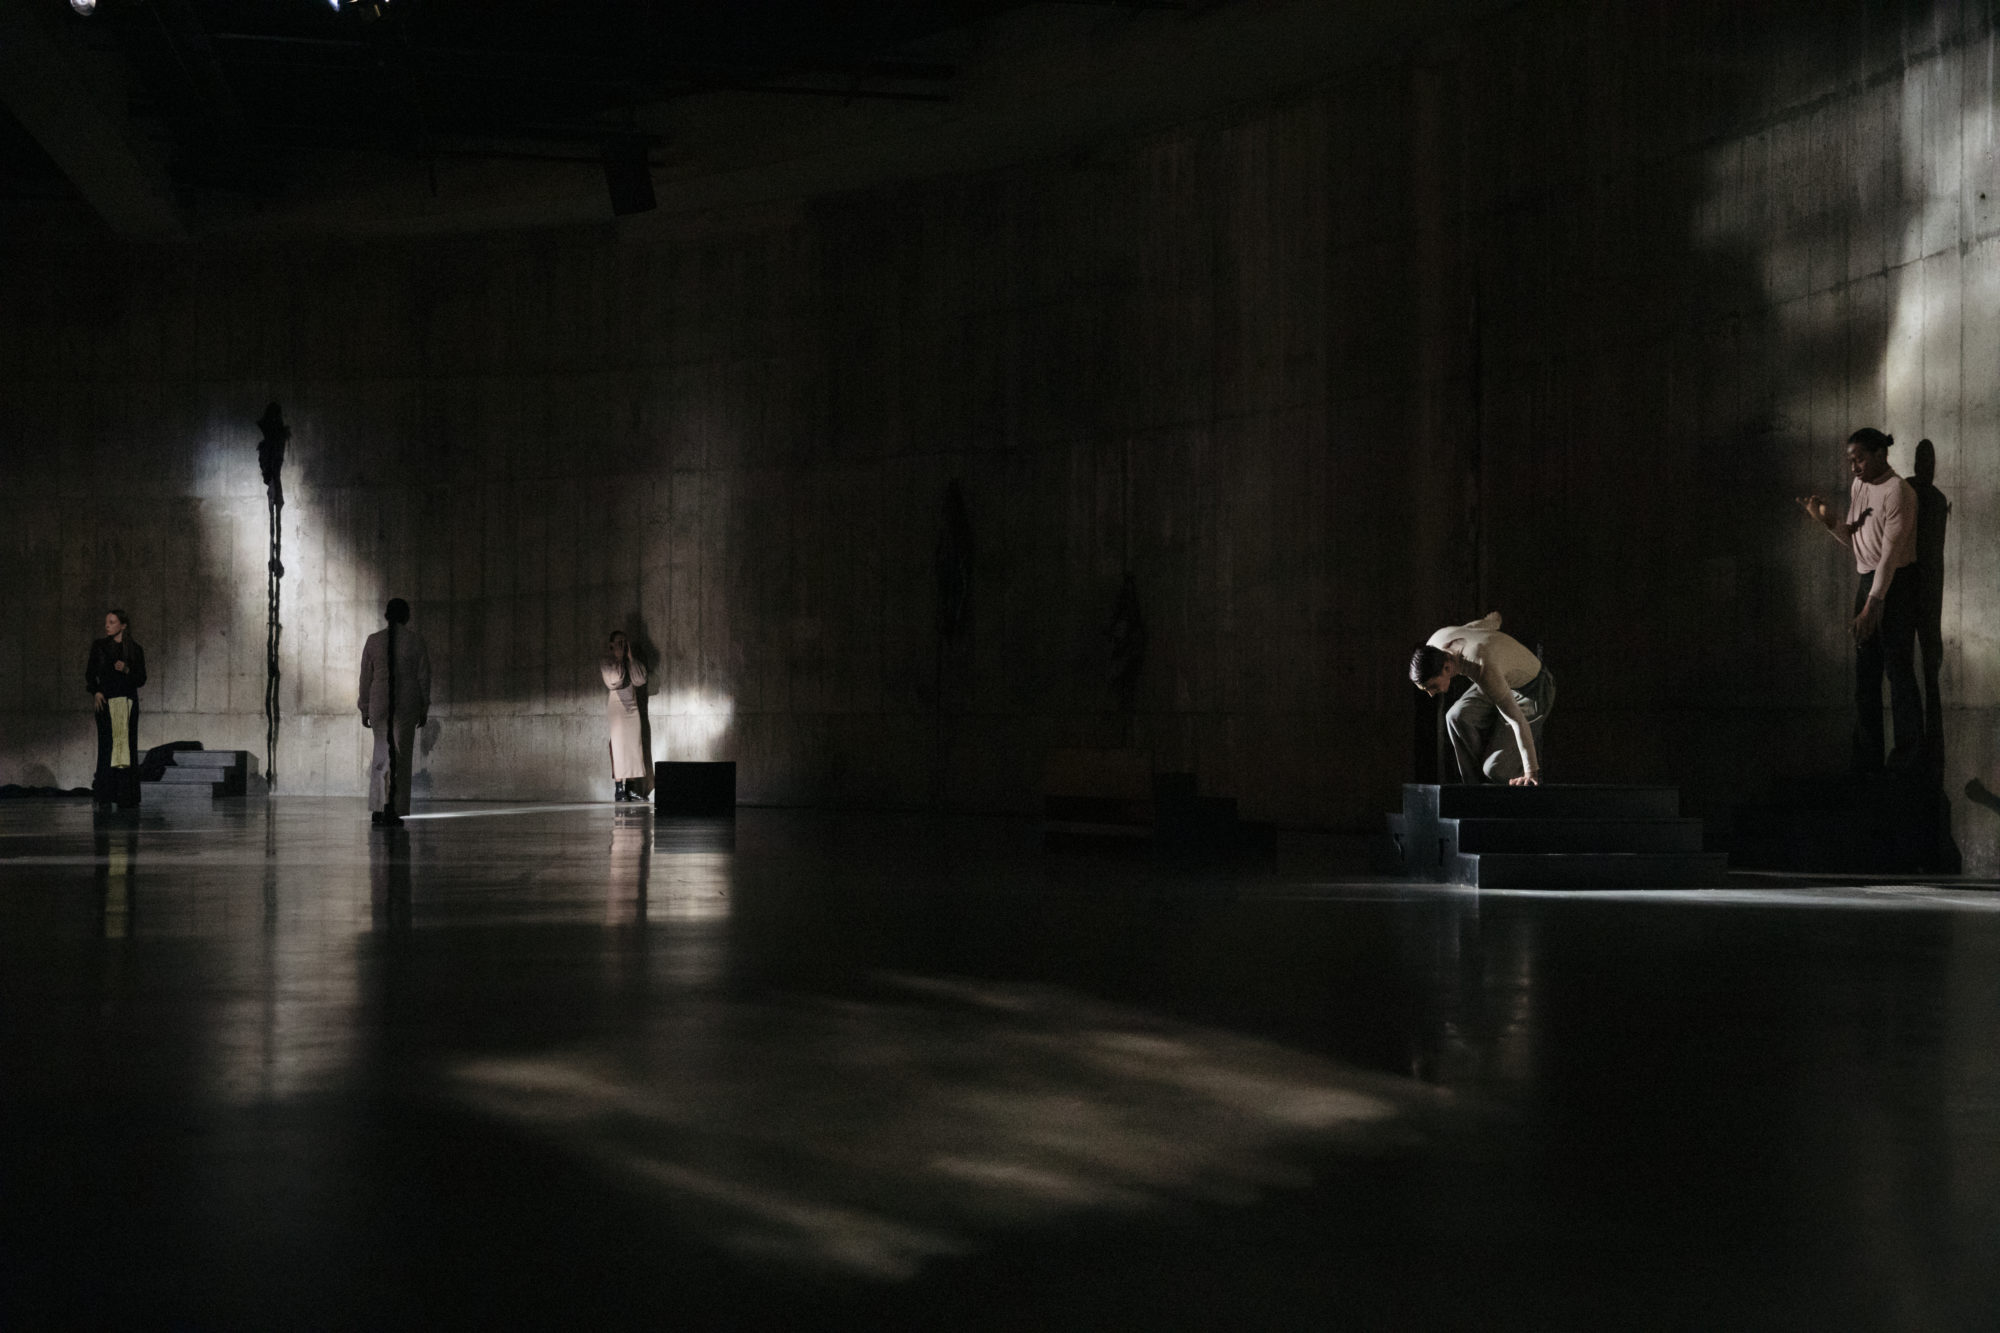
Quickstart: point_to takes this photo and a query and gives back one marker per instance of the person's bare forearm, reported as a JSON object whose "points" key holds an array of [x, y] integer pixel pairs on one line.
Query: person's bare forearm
{"points": [[1524, 737], [1815, 509], [1517, 722]]}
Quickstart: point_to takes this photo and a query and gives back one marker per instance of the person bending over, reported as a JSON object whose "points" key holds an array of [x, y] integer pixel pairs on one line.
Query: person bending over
{"points": [[1508, 683]]}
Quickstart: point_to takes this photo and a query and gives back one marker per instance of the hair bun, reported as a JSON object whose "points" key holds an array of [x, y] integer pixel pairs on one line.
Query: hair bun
{"points": [[1889, 440]]}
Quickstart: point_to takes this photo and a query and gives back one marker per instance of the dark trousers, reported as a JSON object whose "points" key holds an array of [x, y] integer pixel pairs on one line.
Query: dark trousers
{"points": [[1889, 651], [117, 784]]}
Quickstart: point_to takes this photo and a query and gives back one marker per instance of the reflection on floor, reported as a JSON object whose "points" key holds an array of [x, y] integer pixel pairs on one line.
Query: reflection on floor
{"points": [[514, 1065]]}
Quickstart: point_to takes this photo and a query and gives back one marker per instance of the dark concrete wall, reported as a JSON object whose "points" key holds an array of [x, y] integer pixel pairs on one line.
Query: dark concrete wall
{"points": [[1554, 316]]}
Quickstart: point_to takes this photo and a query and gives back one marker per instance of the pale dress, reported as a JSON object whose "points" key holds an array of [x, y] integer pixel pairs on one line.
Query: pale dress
{"points": [[621, 711]]}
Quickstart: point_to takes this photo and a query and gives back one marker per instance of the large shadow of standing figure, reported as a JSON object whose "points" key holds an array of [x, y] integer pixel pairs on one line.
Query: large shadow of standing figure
{"points": [[1933, 512]]}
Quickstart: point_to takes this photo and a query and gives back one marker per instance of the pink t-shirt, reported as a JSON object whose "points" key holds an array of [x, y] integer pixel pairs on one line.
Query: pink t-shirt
{"points": [[1887, 537]]}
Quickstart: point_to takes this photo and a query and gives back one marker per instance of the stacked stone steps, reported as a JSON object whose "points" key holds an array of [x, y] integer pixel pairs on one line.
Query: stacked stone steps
{"points": [[1567, 836], [200, 775]]}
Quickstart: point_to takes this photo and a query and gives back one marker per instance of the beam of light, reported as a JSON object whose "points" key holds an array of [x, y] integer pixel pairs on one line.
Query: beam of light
{"points": [[690, 724], [1819, 896], [505, 810], [330, 590], [873, 1136]]}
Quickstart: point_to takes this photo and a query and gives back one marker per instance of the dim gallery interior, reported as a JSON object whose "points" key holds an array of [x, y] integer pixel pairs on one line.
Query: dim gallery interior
{"points": [[895, 665]]}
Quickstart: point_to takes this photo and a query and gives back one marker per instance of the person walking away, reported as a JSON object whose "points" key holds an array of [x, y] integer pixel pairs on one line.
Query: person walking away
{"points": [[395, 700]]}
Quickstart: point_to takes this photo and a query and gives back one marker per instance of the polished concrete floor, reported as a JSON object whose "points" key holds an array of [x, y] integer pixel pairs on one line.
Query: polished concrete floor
{"points": [[562, 1065]]}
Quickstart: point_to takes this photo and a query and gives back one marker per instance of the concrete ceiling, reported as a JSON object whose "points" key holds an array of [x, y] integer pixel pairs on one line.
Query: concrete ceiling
{"points": [[195, 117]]}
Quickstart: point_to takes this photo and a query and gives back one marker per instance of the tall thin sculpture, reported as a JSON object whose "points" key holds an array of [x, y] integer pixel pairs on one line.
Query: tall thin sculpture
{"points": [[271, 462], [953, 560]]}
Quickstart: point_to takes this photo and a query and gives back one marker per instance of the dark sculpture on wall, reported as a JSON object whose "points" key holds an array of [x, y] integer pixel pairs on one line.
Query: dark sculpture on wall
{"points": [[1128, 641], [271, 462], [952, 560], [954, 566]]}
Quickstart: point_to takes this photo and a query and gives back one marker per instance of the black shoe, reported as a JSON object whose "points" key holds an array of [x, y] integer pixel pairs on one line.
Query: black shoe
{"points": [[618, 792]]}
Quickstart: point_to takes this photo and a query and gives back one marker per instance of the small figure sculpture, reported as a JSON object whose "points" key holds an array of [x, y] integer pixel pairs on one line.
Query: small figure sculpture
{"points": [[271, 454], [1128, 641], [954, 566]]}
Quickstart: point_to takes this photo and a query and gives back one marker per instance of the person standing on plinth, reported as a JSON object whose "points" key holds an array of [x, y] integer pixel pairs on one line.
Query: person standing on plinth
{"points": [[1881, 529], [395, 700], [1509, 683], [624, 676], [114, 674]]}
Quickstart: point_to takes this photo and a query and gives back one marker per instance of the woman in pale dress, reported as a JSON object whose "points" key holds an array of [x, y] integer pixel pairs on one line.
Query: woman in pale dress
{"points": [[624, 677]]}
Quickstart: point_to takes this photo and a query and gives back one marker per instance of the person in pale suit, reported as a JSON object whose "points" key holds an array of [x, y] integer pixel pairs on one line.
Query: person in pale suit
{"points": [[624, 676], [395, 700]]}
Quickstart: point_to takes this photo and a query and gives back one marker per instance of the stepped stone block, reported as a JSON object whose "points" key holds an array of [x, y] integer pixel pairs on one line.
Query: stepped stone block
{"points": [[1103, 793], [213, 773], [1565, 836], [213, 759]]}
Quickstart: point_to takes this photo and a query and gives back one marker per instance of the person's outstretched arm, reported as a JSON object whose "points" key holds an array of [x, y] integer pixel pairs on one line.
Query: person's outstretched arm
{"points": [[1517, 722], [1816, 510]]}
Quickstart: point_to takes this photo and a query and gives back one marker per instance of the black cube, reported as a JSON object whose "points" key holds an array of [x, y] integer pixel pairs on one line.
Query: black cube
{"points": [[687, 788]]}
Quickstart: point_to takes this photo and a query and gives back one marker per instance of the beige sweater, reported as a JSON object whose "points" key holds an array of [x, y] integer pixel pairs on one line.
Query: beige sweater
{"points": [[1887, 538]]}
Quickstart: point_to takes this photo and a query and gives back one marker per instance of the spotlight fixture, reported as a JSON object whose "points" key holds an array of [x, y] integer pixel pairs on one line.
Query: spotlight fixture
{"points": [[84, 7]]}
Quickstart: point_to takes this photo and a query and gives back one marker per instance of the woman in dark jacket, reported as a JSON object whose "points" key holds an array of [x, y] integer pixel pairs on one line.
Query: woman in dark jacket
{"points": [[113, 675]]}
